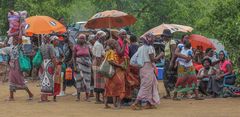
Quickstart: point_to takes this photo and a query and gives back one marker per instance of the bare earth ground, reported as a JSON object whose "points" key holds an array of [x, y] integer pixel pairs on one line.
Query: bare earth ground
{"points": [[67, 107]]}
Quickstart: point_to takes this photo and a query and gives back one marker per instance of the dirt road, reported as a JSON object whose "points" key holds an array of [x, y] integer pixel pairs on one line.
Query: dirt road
{"points": [[67, 107]]}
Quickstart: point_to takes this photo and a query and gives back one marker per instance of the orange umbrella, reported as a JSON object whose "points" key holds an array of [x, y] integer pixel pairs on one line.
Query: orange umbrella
{"points": [[199, 41], [43, 25], [110, 19], [157, 31]]}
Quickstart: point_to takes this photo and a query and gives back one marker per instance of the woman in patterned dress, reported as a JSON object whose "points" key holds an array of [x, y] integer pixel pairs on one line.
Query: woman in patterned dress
{"points": [[16, 78], [82, 63], [47, 70]]}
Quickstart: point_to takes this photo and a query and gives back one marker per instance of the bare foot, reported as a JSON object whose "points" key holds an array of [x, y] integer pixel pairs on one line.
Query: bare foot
{"points": [[30, 98], [43, 101], [107, 107], [91, 95], [87, 100], [135, 107], [167, 97]]}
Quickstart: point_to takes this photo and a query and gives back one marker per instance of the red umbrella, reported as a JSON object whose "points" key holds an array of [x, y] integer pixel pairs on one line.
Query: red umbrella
{"points": [[199, 41]]}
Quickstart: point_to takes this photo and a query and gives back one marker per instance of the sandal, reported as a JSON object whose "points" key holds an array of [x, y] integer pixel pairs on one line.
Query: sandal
{"points": [[135, 107], [177, 98], [147, 107], [30, 98], [166, 97], [199, 98], [153, 107], [77, 100], [107, 107]]}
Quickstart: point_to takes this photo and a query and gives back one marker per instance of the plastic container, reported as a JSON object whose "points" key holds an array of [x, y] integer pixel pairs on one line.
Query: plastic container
{"points": [[68, 75], [160, 73]]}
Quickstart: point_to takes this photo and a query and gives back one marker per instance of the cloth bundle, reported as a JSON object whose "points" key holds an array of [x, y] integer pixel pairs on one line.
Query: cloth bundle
{"points": [[16, 22]]}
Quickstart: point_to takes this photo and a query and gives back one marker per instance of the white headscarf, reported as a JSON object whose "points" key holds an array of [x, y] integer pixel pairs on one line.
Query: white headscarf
{"points": [[52, 38], [100, 34], [122, 31]]}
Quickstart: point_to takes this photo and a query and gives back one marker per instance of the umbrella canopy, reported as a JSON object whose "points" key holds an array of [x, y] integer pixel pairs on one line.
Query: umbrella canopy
{"points": [[200, 41], [43, 25], [157, 31], [110, 19], [219, 46]]}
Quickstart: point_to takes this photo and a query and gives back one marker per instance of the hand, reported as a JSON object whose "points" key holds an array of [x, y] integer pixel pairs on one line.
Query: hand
{"points": [[218, 78], [188, 59], [123, 67], [125, 41], [171, 65]]}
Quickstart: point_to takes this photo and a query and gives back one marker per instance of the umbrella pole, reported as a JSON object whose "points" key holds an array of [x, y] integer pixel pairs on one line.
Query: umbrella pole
{"points": [[110, 32]]}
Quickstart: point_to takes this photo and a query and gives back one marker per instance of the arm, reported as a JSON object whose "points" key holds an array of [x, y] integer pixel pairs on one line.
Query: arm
{"points": [[73, 56], [52, 55], [229, 71], [120, 50], [115, 64], [199, 76], [173, 48], [178, 54], [153, 58], [215, 63]]}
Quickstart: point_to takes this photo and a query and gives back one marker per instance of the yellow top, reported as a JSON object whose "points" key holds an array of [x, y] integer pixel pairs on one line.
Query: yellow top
{"points": [[167, 49], [112, 56]]}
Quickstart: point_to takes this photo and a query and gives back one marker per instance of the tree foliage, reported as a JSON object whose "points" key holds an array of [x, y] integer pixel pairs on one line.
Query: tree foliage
{"points": [[53, 8], [211, 18]]}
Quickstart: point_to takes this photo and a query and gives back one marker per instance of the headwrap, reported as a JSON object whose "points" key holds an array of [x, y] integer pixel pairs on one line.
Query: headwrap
{"points": [[122, 31], [91, 37], [146, 39], [82, 37], [52, 38], [111, 43], [100, 34]]}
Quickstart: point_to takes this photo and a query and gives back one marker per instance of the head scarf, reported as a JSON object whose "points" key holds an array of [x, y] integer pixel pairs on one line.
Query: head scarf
{"points": [[111, 43], [147, 38], [82, 37], [100, 34], [52, 38], [91, 37], [122, 31]]}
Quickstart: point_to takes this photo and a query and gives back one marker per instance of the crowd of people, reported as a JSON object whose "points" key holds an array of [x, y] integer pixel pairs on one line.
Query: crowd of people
{"points": [[134, 80]]}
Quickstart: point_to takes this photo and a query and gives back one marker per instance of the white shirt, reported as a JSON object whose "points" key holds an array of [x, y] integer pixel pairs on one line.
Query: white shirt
{"points": [[98, 49], [186, 52], [144, 51]]}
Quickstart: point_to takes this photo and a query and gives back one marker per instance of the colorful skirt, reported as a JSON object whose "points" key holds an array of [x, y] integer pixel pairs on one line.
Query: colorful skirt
{"points": [[57, 80], [46, 74], [186, 77], [83, 74], [131, 77], [99, 81], [148, 88], [115, 86], [16, 78]]}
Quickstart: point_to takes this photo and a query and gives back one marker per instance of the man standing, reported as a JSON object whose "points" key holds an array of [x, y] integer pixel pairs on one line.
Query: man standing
{"points": [[170, 46], [98, 56]]}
